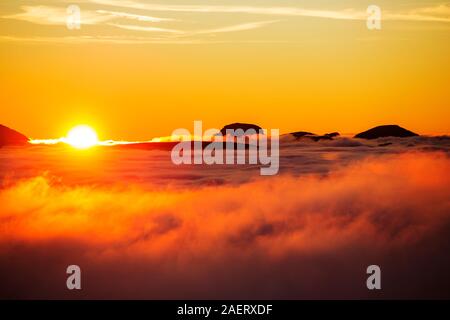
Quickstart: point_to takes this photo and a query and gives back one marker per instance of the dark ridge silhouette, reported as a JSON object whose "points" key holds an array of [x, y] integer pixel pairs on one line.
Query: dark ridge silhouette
{"points": [[313, 136], [386, 131], [333, 134], [10, 137], [301, 134], [237, 125]]}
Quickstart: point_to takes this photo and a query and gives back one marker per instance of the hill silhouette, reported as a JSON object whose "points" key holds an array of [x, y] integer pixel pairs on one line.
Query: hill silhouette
{"points": [[386, 131], [238, 125], [10, 137], [304, 134]]}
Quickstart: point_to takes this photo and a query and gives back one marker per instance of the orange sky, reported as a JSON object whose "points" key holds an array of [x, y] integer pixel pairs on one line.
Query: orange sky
{"points": [[312, 67]]}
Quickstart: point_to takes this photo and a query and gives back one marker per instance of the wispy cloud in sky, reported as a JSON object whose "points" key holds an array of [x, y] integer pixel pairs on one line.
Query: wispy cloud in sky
{"points": [[347, 14], [144, 28], [238, 27], [112, 13], [133, 16], [431, 13], [49, 15], [231, 28], [439, 13]]}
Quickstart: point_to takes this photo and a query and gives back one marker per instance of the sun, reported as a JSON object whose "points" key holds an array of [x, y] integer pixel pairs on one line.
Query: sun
{"points": [[82, 137]]}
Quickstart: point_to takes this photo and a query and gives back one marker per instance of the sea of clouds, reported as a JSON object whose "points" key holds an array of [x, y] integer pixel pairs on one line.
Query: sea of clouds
{"points": [[141, 227]]}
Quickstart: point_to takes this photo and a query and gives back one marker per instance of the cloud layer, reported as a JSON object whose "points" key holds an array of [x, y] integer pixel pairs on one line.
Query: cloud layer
{"points": [[313, 237], [109, 13]]}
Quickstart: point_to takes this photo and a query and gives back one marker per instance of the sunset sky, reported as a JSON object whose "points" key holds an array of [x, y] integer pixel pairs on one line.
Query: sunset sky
{"points": [[140, 69]]}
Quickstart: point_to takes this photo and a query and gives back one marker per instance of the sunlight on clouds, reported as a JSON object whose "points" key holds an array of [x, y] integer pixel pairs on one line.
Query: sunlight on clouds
{"points": [[99, 16], [233, 240], [47, 15], [237, 27], [54, 16], [134, 16], [233, 28], [143, 28], [440, 13], [439, 10], [436, 13], [348, 14], [326, 212]]}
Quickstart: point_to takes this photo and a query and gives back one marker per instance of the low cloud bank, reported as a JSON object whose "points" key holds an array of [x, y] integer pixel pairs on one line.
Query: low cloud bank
{"points": [[279, 237]]}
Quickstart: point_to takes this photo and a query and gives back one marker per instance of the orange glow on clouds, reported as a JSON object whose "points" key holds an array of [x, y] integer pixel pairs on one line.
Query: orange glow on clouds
{"points": [[154, 239], [38, 209]]}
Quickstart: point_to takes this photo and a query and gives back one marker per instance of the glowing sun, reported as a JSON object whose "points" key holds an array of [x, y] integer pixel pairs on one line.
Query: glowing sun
{"points": [[82, 137]]}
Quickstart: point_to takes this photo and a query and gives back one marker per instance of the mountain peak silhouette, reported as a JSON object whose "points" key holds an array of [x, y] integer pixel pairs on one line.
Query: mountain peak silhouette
{"points": [[10, 137], [386, 131], [238, 125], [304, 134]]}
